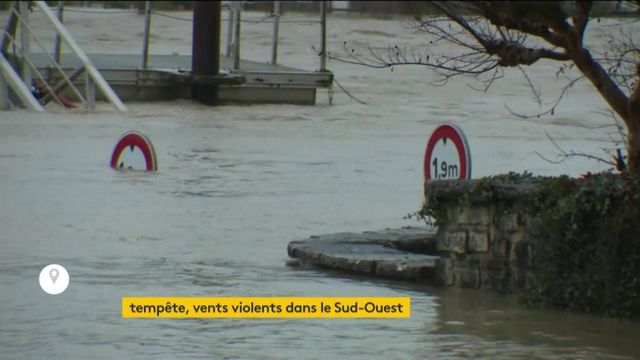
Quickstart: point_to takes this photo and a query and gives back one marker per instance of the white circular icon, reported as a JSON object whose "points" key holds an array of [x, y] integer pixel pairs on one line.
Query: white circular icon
{"points": [[54, 279]]}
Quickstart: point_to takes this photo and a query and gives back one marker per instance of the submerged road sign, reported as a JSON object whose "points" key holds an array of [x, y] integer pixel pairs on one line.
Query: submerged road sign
{"points": [[134, 151], [447, 155]]}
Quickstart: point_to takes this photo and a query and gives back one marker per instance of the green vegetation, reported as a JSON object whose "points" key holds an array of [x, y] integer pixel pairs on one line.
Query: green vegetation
{"points": [[588, 257], [587, 231], [487, 190]]}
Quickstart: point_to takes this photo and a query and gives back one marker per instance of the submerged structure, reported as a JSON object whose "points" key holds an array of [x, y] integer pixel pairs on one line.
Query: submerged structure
{"points": [[206, 75]]}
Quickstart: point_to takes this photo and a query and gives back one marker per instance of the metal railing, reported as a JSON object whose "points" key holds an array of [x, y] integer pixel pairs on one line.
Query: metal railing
{"points": [[233, 37], [21, 85], [233, 32]]}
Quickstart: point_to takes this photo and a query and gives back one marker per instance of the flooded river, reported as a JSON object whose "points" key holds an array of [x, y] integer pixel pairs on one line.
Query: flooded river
{"points": [[237, 183]]}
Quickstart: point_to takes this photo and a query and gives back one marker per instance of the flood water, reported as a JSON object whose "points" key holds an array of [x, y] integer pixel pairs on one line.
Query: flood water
{"points": [[237, 183]]}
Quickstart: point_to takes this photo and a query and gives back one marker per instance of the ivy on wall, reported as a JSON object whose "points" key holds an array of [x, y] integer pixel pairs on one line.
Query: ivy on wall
{"points": [[588, 255], [587, 231]]}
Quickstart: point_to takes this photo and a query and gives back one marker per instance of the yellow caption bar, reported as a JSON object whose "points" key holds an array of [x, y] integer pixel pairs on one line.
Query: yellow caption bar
{"points": [[266, 307]]}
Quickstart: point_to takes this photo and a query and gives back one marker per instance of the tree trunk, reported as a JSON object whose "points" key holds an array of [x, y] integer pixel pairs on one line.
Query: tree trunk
{"points": [[628, 108], [633, 150], [633, 129]]}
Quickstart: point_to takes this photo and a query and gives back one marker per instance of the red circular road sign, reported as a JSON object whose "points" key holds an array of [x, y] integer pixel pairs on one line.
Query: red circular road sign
{"points": [[447, 155], [134, 151]]}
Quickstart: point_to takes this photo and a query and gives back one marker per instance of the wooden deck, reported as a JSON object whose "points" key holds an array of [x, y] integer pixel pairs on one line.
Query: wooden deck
{"points": [[169, 77]]}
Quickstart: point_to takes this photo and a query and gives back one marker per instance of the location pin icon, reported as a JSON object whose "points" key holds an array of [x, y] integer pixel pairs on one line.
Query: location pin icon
{"points": [[53, 274]]}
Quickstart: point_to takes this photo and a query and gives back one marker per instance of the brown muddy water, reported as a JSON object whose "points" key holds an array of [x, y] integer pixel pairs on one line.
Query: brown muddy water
{"points": [[237, 183]]}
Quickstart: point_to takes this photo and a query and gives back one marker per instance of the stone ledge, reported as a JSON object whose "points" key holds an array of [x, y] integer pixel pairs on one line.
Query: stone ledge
{"points": [[375, 253]]}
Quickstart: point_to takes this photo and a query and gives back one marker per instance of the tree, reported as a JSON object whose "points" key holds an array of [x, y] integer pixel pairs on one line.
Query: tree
{"points": [[492, 35]]}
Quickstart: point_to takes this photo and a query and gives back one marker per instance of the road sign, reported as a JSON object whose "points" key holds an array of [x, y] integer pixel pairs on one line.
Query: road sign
{"points": [[134, 151], [447, 155]]}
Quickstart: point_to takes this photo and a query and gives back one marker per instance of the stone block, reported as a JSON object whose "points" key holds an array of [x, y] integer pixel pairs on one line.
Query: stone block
{"points": [[469, 261], [485, 279], [346, 263], [510, 222], [387, 269], [453, 214], [447, 278], [497, 279], [522, 279], [497, 263], [471, 216], [467, 278], [444, 263], [478, 241], [500, 245], [522, 255], [454, 242], [445, 272], [519, 236], [408, 271]]}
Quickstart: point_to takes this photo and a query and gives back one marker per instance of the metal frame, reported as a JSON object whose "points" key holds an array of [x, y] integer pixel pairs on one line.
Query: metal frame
{"points": [[276, 31], [9, 77], [236, 7], [91, 70], [21, 85], [27, 60], [147, 34]]}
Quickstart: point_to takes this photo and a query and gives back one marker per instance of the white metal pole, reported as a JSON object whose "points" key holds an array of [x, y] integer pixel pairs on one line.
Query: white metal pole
{"points": [[230, 26], [19, 87], [25, 42], [145, 40], [10, 28], [276, 29]]}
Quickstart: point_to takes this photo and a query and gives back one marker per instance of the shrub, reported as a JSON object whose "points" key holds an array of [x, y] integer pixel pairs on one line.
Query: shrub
{"points": [[587, 231], [588, 250]]}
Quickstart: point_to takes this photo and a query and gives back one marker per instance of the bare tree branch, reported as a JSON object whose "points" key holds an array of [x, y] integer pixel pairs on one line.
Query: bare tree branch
{"points": [[564, 155], [551, 110], [500, 14], [536, 93], [481, 38]]}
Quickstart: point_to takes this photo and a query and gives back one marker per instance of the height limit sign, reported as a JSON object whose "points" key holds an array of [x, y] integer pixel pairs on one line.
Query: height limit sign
{"points": [[447, 156]]}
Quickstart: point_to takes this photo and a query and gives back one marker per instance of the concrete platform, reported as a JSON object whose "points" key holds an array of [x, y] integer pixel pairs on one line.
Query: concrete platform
{"points": [[376, 253], [169, 77]]}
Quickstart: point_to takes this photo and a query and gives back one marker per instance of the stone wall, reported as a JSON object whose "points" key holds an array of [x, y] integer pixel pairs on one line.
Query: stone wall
{"points": [[484, 242]]}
